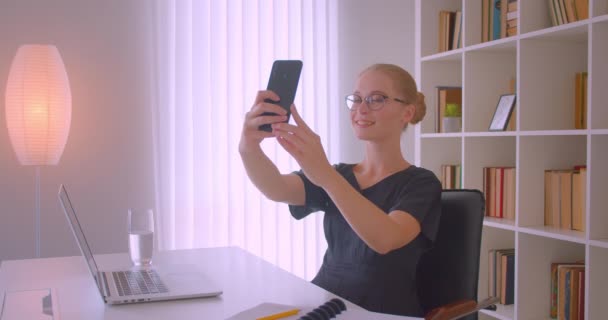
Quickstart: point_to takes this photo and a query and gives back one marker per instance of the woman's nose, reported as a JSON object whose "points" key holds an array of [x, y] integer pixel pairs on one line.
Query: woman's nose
{"points": [[363, 107]]}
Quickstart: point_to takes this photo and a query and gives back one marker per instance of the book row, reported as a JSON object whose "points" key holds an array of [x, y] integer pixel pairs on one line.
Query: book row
{"points": [[565, 194], [501, 275], [499, 191], [451, 176], [450, 30], [566, 11], [499, 19], [567, 291]]}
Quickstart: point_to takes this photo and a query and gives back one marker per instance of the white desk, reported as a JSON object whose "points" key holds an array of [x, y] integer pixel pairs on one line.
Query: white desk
{"points": [[246, 280]]}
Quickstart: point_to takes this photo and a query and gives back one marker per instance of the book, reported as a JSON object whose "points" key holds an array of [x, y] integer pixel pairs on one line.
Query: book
{"points": [[565, 181], [562, 11], [548, 198], [266, 310], [512, 18], [582, 9], [574, 297], [498, 192], [442, 34], [570, 10], [556, 199], [580, 100], [579, 186], [492, 193], [512, 6], [495, 16], [554, 291], [508, 279], [584, 100], [553, 13], [503, 18], [509, 208], [485, 20]]}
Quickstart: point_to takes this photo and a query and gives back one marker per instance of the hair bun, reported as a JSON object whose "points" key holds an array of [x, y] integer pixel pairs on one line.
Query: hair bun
{"points": [[420, 108]]}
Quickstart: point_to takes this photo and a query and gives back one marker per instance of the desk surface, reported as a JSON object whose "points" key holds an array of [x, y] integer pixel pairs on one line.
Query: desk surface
{"points": [[246, 280]]}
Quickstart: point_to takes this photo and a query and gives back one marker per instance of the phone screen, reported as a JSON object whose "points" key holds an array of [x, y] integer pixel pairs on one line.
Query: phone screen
{"points": [[283, 81]]}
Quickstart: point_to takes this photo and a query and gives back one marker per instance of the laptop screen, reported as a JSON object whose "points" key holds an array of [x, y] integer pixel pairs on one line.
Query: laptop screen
{"points": [[80, 238]]}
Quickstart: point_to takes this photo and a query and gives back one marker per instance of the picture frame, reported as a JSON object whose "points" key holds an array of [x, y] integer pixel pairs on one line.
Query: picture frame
{"points": [[503, 112]]}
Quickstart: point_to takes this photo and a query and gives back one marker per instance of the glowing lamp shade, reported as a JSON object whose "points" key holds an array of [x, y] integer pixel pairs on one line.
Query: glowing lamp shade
{"points": [[38, 105]]}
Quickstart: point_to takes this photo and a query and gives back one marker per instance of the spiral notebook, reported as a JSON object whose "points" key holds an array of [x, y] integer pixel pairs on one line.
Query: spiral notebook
{"points": [[332, 309]]}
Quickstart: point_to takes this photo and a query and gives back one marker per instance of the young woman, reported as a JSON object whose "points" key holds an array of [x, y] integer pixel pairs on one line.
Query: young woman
{"points": [[381, 214]]}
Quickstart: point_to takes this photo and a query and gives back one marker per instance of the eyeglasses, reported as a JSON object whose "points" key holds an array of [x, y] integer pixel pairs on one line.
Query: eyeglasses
{"points": [[374, 101]]}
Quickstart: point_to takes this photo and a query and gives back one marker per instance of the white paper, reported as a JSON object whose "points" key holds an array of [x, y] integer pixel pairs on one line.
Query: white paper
{"points": [[29, 304]]}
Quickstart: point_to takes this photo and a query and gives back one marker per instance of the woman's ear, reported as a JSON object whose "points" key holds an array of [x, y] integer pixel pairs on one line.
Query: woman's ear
{"points": [[409, 112]]}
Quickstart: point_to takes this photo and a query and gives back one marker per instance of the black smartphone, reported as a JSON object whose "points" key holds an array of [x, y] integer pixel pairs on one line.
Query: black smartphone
{"points": [[284, 78]]}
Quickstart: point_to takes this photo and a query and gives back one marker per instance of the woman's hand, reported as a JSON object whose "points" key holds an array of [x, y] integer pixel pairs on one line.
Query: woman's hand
{"points": [[251, 136], [305, 146]]}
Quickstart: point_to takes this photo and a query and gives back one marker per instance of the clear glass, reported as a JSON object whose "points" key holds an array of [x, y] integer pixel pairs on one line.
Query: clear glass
{"points": [[141, 236]]}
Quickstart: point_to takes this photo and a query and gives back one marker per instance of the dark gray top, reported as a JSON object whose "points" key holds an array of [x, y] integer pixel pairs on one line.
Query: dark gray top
{"points": [[352, 270]]}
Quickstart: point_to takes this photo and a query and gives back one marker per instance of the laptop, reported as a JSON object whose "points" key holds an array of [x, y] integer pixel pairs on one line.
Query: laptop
{"points": [[139, 284]]}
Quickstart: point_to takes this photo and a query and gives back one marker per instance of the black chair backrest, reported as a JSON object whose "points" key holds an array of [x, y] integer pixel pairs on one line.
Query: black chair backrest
{"points": [[449, 271]]}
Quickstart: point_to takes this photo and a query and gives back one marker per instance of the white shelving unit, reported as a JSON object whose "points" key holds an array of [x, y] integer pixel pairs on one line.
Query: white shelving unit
{"points": [[543, 60]]}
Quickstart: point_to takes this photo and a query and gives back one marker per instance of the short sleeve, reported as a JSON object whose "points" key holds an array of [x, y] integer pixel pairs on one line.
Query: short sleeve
{"points": [[316, 199], [421, 197]]}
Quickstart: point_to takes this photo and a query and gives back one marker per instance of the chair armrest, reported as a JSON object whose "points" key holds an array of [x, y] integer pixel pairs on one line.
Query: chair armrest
{"points": [[459, 309]]}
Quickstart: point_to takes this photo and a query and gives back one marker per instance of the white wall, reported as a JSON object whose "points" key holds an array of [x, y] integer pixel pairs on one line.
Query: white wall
{"points": [[107, 163], [380, 31]]}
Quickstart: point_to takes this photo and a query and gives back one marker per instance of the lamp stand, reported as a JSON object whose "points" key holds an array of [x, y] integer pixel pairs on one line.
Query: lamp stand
{"points": [[37, 212]]}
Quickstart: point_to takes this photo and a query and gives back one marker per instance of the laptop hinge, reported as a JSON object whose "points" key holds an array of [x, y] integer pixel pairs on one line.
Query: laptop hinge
{"points": [[104, 284]]}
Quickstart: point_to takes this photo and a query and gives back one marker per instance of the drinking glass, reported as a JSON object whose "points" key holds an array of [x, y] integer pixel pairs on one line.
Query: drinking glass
{"points": [[141, 236]]}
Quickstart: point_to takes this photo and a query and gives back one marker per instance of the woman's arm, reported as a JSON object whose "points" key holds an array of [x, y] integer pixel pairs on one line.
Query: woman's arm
{"points": [[287, 188], [261, 171], [381, 232]]}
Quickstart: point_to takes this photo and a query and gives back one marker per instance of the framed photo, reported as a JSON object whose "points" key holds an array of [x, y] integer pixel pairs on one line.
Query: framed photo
{"points": [[503, 112]]}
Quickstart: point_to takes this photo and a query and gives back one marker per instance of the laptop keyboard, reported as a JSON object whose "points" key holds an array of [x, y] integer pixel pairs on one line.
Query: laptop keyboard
{"points": [[138, 282]]}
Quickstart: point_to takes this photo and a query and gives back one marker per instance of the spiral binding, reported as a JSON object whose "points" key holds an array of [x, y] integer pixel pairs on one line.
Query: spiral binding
{"points": [[326, 311]]}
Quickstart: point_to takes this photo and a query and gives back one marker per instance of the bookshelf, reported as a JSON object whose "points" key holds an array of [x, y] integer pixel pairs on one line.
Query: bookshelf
{"points": [[543, 60]]}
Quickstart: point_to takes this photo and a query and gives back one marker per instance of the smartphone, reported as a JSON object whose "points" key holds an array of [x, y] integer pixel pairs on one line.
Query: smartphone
{"points": [[283, 81]]}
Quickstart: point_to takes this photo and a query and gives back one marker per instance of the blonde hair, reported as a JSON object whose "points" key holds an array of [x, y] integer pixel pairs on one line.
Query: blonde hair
{"points": [[405, 86]]}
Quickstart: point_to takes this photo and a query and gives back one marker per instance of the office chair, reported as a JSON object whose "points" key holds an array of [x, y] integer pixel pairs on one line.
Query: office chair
{"points": [[448, 273]]}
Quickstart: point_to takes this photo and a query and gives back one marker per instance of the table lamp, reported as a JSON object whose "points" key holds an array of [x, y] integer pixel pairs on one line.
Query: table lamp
{"points": [[38, 106]]}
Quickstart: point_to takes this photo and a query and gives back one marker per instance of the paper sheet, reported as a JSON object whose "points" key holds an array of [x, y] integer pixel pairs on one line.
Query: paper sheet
{"points": [[29, 304]]}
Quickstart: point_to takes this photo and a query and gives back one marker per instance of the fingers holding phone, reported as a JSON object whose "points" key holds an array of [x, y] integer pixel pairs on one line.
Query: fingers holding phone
{"points": [[264, 112], [261, 113]]}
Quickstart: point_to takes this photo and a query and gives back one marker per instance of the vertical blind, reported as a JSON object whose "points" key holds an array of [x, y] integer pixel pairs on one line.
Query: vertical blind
{"points": [[211, 58]]}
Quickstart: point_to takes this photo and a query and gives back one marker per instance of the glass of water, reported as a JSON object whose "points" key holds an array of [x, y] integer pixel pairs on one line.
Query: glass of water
{"points": [[141, 236]]}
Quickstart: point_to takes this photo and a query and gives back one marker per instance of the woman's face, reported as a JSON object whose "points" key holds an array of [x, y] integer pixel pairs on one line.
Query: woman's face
{"points": [[386, 122]]}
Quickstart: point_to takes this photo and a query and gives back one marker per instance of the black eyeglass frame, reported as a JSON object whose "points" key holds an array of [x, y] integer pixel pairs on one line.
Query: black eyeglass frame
{"points": [[351, 102]]}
